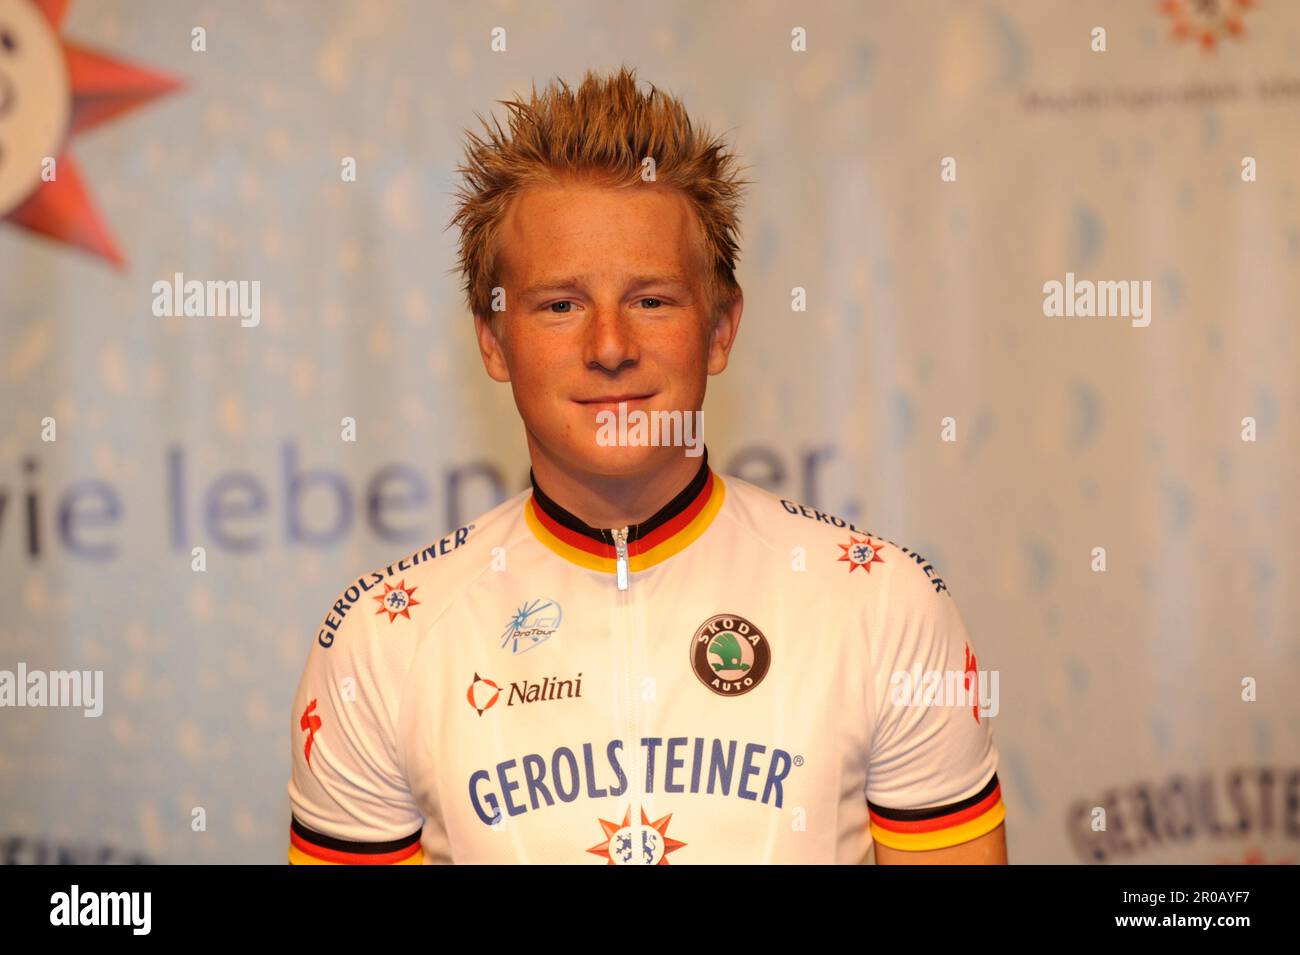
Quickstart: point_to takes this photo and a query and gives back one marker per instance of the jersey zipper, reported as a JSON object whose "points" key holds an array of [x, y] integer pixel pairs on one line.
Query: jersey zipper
{"points": [[625, 635], [620, 559]]}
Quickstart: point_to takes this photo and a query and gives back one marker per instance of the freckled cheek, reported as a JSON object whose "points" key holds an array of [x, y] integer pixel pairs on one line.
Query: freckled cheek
{"points": [[687, 361], [546, 389]]}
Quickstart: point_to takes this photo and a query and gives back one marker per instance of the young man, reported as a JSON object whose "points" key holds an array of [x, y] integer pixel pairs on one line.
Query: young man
{"points": [[637, 660]]}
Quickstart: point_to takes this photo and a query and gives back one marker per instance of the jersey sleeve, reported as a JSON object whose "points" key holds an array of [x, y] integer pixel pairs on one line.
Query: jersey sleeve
{"points": [[932, 772], [349, 799]]}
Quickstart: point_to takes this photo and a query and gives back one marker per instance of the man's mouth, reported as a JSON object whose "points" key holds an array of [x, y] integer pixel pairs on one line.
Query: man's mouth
{"points": [[611, 402]]}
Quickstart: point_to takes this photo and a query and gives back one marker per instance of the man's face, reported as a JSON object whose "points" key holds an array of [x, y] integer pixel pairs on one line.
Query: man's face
{"points": [[605, 301]]}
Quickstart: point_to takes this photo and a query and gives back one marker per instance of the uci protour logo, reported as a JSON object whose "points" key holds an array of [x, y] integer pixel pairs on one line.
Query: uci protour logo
{"points": [[730, 655], [532, 625]]}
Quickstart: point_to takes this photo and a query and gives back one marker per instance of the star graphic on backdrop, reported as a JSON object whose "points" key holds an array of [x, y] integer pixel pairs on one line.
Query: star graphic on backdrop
{"points": [[1206, 20], [50, 91]]}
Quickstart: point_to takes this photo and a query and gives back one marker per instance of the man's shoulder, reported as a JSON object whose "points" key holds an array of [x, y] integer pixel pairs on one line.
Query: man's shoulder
{"points": [[827, 544], [398, 600]]}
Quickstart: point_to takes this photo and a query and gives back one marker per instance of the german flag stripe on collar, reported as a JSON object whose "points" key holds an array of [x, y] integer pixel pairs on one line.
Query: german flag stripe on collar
{"points": [[668, 532], [941, 826], [308, 847]]}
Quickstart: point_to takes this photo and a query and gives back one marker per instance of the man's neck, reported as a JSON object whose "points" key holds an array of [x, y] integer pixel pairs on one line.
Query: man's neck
{"points": [[606, 502]]}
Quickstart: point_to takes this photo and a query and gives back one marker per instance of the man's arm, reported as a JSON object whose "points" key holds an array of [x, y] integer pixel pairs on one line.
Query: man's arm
{"points": [[988, 849], [932, 787], [349, 800]]}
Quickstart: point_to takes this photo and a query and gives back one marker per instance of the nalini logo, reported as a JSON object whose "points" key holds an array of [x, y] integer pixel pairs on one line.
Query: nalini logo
{"points": [[532, 625], [861, 554], [629, 844], [482, 694], [729, 654], [397, 601]]}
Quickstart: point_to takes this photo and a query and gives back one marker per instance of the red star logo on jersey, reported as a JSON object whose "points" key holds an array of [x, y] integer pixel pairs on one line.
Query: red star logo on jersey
{"points": [[50, 91], [860, 553], [397, 601], [646, 844], [309, 725]]}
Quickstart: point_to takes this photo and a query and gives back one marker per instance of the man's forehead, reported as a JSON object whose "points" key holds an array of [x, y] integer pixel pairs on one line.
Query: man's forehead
{"points": [[562, 281], [561, 235]]}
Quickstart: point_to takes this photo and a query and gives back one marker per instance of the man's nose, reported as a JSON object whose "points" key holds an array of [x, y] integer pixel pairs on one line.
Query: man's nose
{"points": [[610, 341]]}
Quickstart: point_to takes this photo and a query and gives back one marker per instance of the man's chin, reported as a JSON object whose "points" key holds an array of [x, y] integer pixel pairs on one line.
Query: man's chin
{"points": [[622, 461]]}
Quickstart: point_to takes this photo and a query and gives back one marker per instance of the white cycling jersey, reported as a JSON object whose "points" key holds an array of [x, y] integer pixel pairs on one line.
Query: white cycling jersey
{"points": [[739, 679]]}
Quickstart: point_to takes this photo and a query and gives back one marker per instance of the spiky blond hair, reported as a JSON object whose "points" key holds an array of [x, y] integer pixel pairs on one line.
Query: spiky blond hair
{"points": [[600, 133]]}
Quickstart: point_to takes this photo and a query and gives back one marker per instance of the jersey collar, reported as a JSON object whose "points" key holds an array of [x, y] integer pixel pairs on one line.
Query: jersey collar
{"points": [[670, 530]]}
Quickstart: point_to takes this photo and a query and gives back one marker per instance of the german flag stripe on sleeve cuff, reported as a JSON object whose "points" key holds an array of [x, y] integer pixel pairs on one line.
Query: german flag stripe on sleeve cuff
{"points": [[940, 826], [308, 847]]}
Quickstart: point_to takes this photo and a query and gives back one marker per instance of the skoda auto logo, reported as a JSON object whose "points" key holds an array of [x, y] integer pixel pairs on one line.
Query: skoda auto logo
{"points": [[729, 654]]}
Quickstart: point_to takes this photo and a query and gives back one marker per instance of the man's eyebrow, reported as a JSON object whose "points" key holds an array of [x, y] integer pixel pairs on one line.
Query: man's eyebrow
{"points": [[565, 284]]}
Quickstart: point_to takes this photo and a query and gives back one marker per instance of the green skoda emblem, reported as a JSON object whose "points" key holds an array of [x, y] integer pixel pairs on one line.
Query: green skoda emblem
{"points": [[729, 654], [726, 647]]}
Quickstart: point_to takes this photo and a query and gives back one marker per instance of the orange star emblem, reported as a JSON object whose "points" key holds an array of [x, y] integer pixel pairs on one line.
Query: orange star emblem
{"points": [[50, 91], [860, 553], [1206, 20], [397, 601], [646, 844]]}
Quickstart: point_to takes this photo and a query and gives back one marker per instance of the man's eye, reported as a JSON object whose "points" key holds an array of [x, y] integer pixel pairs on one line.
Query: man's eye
{"points": [[563, 311], [651, 299]]}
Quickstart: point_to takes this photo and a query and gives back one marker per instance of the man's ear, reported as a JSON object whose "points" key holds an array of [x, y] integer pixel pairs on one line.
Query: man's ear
{"points": [[489, 346], [724, 332]]}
